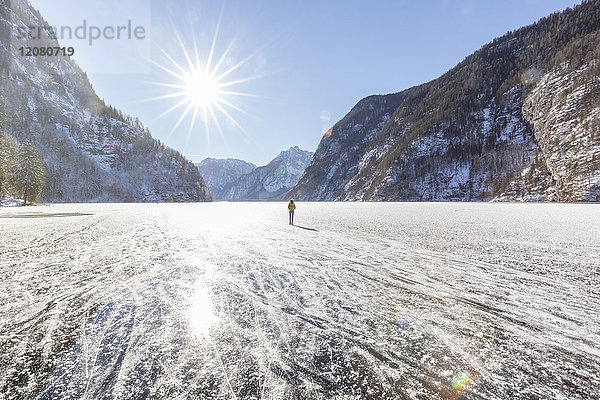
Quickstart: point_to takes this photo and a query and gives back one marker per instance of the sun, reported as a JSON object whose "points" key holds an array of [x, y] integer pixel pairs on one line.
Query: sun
{"points": [[202, 90], [201, 86]]}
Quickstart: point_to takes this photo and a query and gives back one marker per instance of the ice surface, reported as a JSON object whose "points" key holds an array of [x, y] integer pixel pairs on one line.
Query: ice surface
{"points": [[360, 301]]}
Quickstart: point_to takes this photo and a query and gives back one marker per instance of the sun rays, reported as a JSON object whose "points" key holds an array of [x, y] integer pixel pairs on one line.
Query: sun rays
{"points": [[202, 86]]}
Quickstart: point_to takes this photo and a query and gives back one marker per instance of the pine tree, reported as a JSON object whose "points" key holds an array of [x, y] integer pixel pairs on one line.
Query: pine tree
{"points": [[30, 173], [9, 154]]}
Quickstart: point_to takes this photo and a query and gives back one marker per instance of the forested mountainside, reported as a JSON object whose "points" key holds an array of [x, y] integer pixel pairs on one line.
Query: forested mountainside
{"points": [[516, 120], [269, 182], [92, 152]]}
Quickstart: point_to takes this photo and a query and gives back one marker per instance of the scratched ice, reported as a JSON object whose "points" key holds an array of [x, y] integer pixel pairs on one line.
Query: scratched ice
{"points": [[359, 301]]}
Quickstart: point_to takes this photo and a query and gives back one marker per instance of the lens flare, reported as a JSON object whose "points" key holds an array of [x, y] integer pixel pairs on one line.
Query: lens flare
{"points": [[453, 367], [405, 323], [460, 380], [531, 75]]}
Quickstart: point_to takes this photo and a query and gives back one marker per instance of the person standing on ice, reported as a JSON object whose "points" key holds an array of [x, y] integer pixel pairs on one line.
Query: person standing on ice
{"points": [[291, 207]]}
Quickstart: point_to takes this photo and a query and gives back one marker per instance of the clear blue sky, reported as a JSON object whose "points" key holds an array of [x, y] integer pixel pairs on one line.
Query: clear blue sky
{"points": [[312, 60]]}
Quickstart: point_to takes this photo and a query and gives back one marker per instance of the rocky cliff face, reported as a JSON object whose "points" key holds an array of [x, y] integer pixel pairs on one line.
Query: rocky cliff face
{"points": [[434, 166], [564, 109], [92, 151], [269, 182], [219, 173], [516, 120]]}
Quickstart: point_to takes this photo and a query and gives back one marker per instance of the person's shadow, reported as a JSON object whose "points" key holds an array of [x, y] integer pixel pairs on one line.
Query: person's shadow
{"points": [[305, 228]]}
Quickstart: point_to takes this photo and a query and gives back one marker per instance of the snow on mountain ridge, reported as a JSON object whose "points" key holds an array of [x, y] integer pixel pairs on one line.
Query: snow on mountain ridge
{"points": [[218, 173], [268, 182]]}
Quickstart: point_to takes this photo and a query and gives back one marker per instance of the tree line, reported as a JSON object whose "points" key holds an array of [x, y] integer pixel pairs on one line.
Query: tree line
{"points": [[22, 169]]}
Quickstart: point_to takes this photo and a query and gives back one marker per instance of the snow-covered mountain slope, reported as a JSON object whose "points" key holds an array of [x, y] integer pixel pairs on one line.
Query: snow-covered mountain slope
{"points": [[565, 111], [218, 173], [272, 181], [92, 151], [338, 156], [516, 120]]}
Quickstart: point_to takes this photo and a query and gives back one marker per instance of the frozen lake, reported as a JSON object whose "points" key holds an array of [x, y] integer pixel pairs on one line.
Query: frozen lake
{"points": [[359, 301]]}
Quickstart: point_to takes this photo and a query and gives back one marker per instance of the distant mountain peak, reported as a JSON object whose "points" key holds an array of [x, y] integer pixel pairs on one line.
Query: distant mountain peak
{"points": [[232, 179], [221, 161], [293, 153], [219, 172]]}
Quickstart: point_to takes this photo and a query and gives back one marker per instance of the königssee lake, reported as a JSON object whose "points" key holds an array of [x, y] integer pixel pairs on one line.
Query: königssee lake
{"points": [[358, 301]]}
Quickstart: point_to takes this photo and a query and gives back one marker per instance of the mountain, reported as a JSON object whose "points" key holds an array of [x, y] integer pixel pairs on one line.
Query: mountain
{"points": [[218, 173], [91, 150], [518, 120], [269, 182]]}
